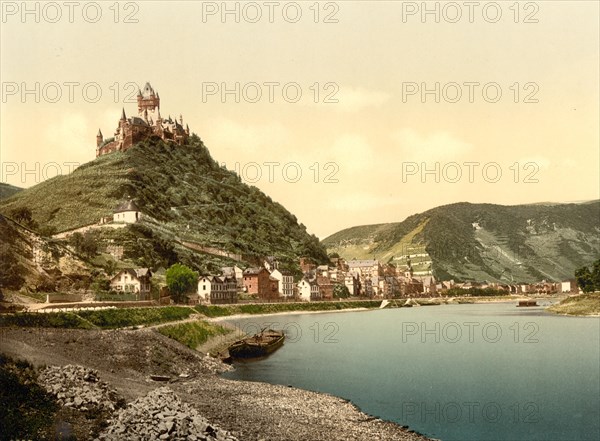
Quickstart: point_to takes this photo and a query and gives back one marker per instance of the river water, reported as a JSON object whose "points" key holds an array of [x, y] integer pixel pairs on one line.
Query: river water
{"points": [[485, 372]]}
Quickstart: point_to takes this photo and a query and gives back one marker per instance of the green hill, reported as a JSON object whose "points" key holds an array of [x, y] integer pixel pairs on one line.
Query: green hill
{"points": [[523, 243], [184, 195], [7, 190]]}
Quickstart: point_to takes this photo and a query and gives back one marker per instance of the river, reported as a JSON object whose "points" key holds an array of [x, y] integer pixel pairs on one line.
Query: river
{"points": [[485, 372]]}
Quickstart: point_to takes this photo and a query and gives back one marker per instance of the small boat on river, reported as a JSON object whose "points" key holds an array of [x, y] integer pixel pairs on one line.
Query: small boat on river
{"points": [[527, 303], [259, 345]]}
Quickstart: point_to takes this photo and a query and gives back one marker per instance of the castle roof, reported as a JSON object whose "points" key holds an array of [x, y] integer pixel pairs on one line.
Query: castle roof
{"points": [[136, 121], [148, 90], [128, 205]]}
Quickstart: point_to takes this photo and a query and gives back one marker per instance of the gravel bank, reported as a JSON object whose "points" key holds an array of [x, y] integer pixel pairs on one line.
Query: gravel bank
{"points": [[121, 364]]}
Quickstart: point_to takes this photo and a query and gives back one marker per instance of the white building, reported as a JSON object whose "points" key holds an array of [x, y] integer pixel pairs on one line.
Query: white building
{"points": [[304, 290], [135, 281], [127, 213], [204, 285], [286, 282]]}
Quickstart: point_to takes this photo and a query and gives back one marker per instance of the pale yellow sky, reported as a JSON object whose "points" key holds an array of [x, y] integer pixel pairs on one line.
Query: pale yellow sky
{"points": [[375, 61]]}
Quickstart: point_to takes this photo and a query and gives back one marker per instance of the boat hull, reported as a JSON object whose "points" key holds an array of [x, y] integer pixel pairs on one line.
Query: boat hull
{"points": [[257, 346]]}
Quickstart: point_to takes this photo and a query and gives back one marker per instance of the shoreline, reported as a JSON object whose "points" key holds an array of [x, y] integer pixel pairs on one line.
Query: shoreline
{"points": [[265, 314], [251, 411]]}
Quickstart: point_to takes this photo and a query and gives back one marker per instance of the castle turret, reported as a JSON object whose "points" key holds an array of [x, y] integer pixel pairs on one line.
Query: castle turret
{"points": [[123, 117], [99, 138]]}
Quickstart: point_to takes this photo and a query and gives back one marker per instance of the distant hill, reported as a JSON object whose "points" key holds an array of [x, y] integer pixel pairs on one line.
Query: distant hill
{"points": [[185, 195], [463, 241], [7, 190]]}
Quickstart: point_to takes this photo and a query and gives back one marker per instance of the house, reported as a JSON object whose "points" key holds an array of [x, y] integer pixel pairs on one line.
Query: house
{"points": [[286, 282], [306, 265], [256, 282], [223, 290], [237, 273], [204, 287], [569, 286], [271, 263], [273, 288], [217, 289], [135, 281], [308, 290], [304, 290], [325, 287], [352, 283], [366, 267], [127, 212]]}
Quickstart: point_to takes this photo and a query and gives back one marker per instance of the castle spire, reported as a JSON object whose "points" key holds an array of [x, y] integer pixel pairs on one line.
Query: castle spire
{"points": [[99, 133], [123, 117]]}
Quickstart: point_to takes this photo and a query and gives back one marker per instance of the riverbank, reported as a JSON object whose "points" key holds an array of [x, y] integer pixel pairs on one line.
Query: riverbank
{"points": [[127, 359], [584, 305]]}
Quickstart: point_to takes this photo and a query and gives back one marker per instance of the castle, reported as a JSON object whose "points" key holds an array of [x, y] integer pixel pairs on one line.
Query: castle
{"points": [[146, 124]]}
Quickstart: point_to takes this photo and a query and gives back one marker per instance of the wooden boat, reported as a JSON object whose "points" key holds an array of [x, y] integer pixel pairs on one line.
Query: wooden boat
{"points": [[259, 345], [527, 303]]}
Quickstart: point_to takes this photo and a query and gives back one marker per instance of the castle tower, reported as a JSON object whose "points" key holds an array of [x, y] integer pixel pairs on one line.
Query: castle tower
{"points": [[147, 100], [99, 138]]}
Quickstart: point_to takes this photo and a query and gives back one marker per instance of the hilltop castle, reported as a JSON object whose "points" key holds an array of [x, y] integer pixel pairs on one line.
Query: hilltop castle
{"points": [[146, 124]]}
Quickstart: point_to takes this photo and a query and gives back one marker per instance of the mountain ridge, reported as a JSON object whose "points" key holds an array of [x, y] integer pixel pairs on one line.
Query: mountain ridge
{"points": [[465, 241]]}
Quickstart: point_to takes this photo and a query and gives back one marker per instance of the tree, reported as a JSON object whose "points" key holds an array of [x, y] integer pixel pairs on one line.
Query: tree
{"points": [[84, 244], [181, 280], [589, 281], [11, 271], [341, 291], [23, 216]]}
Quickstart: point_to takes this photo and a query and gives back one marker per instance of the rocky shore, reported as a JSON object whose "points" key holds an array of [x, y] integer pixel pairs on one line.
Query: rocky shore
{"points": [[112, 376]]}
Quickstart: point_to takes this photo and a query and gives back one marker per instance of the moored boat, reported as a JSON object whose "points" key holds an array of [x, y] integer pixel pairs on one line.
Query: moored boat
{"points": [[259, 345], [527, 303]]}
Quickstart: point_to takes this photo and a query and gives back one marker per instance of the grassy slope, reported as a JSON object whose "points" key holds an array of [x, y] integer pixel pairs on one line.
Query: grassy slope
{"points": [[586, 304], [189, 195], [557, 239], [7, 190]]}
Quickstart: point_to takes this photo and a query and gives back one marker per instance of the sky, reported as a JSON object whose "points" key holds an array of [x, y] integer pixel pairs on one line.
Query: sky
{"points": [[347, 113]]}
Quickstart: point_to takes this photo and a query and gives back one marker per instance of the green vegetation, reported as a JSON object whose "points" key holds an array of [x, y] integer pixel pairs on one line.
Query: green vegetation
{"points": [[26, 410], [192, 334], [84, 244], [185, 194], [7, 190], [125, 317], [589, 280], [180, 281], [586, 304], [475, 292], [341, 291], [11, 270], [270, 308], [523, 243], [44, 320]]}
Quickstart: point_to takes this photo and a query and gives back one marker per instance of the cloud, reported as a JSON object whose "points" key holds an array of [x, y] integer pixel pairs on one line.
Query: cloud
{"points": [[356, 99], [437, 146]]}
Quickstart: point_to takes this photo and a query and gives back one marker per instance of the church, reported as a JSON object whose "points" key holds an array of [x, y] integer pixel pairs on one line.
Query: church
{"points": [[146, 124]]}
